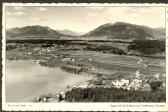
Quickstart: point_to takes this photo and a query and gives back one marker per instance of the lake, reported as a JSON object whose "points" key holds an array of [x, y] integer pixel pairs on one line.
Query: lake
{"points": [[27, 79]]}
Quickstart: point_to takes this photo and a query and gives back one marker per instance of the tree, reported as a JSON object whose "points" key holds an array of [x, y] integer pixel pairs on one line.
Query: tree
{"points": [[155, 85]]}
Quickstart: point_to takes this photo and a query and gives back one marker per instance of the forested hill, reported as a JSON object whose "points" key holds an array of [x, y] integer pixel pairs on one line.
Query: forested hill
{"points": [[33, 32], [121, 30]]}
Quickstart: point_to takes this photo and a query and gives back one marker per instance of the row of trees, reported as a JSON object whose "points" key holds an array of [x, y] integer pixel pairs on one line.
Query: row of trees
{"points": [[106, 49], [100, 94], [39, 41]]}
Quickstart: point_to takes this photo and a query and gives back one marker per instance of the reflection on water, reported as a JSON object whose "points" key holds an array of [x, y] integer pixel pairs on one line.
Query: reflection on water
{"points": [[27, 79]]}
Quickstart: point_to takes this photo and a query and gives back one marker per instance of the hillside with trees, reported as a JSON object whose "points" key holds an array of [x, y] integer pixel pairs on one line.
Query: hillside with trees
{"points": [[148, 46], [99, 94], [33, 32], [126, 31]]}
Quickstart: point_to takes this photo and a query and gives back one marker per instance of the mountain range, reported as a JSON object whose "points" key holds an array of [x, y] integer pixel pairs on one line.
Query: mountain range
{"points": [[118, 30]]}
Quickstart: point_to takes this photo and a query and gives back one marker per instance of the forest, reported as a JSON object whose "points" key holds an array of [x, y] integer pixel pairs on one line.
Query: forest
{"points": [[106, 49], [147, 46], [100, 94]]}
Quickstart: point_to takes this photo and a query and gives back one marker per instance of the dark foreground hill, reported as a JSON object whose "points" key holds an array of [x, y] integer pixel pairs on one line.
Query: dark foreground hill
{"points": [[100, 94], [121, 30]]}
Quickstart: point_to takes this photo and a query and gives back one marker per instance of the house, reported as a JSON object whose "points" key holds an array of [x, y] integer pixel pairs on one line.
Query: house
{"points": [[62, 93], [126, 82], [164, 75], [146, 87], [137, 74], [135, 84], [164, 84], [72, 59], [157, 75], [90, 59], [83, 86], [120, 83], [66, 59], [106, 82], [132, 52]]}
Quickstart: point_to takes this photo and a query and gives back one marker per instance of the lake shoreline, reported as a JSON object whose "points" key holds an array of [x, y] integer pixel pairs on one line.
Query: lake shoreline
{"points": [[59, 97], [45, 76]]}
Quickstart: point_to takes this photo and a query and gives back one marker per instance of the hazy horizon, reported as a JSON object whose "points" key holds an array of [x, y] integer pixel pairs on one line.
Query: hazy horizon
{"points": [[82, 19]]}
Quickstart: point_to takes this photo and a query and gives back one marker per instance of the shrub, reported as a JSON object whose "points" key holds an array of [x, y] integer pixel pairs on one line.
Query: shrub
{"points": [[155, 85]]}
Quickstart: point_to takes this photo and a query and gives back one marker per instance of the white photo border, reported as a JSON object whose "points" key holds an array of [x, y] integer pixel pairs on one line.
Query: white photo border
{"points": [[134, 106]]}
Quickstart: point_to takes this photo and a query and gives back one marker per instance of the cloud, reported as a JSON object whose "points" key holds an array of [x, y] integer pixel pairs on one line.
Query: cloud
{"points": [[136, 15], [43, 9], [43, 22], [133, 15], [19, 8], [95, 8], [18, 13], [33, 14], [34, 19], [11, 19], [90, 16], [9, 13]]}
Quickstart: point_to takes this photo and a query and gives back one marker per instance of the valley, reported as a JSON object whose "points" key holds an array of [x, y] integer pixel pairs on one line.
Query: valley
{"points": [[108, 64], [118, 62]]}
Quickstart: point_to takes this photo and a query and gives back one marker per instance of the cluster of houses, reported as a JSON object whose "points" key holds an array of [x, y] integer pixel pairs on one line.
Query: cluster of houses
{"points": [[134, 84], [69, 61], [51, 97], [40, 51], [132, 52]]}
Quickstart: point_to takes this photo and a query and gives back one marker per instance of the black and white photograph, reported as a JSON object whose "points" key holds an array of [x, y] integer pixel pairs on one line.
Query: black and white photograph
{"points": [[85, 54]]}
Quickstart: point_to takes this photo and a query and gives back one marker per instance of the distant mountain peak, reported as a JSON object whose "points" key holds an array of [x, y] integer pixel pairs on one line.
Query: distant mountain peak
{"points": [[68, 32], [120, 23], [105, 25]]}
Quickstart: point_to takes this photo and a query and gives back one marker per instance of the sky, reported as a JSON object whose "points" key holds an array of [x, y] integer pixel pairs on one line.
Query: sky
{"points": [[82, 18]]}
